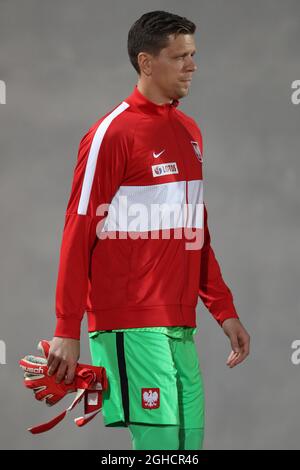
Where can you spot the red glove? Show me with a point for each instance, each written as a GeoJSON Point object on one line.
{"type": "Point", "coordinates": [89, 382]}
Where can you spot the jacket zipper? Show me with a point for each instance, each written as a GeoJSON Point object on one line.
{"type": "Point", "coordinates": [185, 221]}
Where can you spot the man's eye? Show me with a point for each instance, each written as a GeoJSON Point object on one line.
{"type": "Point", "coordinates": [184, 55]}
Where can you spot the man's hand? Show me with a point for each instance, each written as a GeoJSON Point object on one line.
{"type": "Point", "coordinates": [239, 339]}
{"type": "Point", "coordinates": [63, 355]}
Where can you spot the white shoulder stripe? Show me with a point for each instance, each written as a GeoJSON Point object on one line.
{"type": "Point", "coordinates": [92, 158]}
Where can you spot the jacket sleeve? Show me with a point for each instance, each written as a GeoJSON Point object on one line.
{"type": "Point", "coordinates": [213, 291]}
{"type": "Point", "coordinates": [97, 176]}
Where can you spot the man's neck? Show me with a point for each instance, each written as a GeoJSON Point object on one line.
{"type": "Point", "coordinates": [152, 94]}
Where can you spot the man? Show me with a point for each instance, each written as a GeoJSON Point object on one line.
{"type": "Point", "coordinates": [140, 283]}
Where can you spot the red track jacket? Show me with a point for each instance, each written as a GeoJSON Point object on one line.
{"type": "Point", "coordinates": [136, 247]}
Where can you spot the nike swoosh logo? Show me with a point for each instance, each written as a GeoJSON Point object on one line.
{"type": "Point", "coordinates": [156, 155]}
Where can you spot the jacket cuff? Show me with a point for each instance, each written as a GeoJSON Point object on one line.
{"type": "Point", "coordinates": [224, 316]}
{"type": "Point", "coordinates": [68, 327]}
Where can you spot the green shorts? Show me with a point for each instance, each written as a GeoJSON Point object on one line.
{"type": "Point", "coordinates": [152, 378]}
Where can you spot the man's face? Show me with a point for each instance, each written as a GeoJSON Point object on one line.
{"type": "Point", "coordinates": [174, 65]}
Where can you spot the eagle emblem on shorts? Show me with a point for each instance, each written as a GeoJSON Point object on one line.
{"type": "Point", "coordinates": [150, 398]}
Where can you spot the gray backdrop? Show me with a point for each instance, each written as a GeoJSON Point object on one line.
{"type": "Point", "coordinates": [65, 64]}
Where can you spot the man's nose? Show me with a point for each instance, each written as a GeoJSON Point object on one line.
{"type": "Point", "coordinates": [192, 66]}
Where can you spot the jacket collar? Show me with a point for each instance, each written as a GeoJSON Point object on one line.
{"type": "Point", "coordinates": [138, 100]}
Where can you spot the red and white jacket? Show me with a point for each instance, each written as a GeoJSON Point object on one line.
{"type": "Point", "coordinates": [126, 259]}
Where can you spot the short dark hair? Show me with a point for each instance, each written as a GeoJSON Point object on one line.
{"type": "Point", "coordinates": [150, 33]}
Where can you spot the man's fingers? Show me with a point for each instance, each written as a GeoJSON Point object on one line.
{"type": "Point", "coordinates": [233, 360]}
{"type": "Point", "coordinates": [61, 371]}
{"type": "Point", "coordinates": [240, 358]}
{"type": "Point", "coordinates": [235, 346]}
{"type": "Point", "coordinates": [54, 364]}
{"type": "Point", "coordinates": [231, 356]}
{"type": "Point", "coordinates": [234, 340]}
{"type": "Point", "coordinates": [240, 343]}
{"type": "Point", "coordinates": [50, 359]}
{"type": "Point", "coordinates": [70, 374]}
{"type": "Point", "coordinates": [244, 350]}
{"type": "Point", "coordinates": [247, 344]}
{"type": "Point", "coordinates": [53, 360]}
